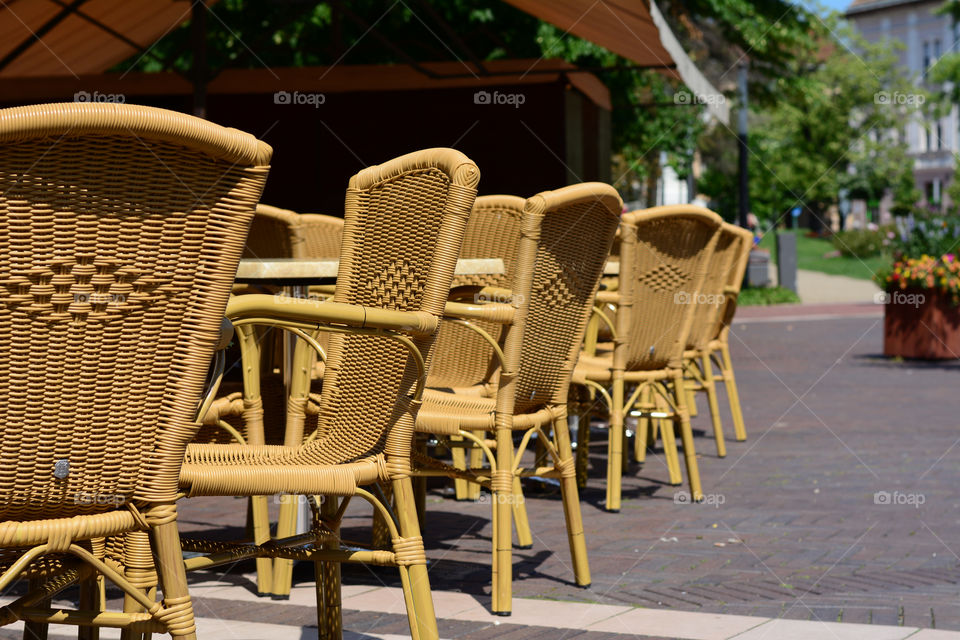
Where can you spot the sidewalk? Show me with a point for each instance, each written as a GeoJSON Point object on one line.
{"type": "Point", "coordinates": [235, 613]}
{"type": "Point", "coordinates": [836, 519]}
{"type": "Point", "coordinates": [814, 287]}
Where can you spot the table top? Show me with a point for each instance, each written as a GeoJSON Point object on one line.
{"type": "Point", "coordinates": [307, 270]}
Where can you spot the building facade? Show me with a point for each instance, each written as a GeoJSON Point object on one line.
{"type": "Point", "coordinates": [926, 37]}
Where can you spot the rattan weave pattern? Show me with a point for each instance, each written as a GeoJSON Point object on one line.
{"type": "Point", "coordinates": [463, 358]}
{"type": "Point", "coordinates": [564, 282]}
{"type": "Point", "coordinates": [121, 231]}
{"type": "Point", "coordinates": [711, 298]}
{"type": "Point", "coordinates": [665, 245]}
{"type": "Point", "coordinates": [387, 209]}
{"type": "Point", "coordinates": [110, 292]}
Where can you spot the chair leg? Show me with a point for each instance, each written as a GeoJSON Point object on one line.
{"type": "Point", "coordinates": [520, 519]}
{"type": "Point", "coordinates": [644, 402]}
{"type": "Point", "coordinates": [501, 489]}
{"type": "Point", "coordinates": [173, 577]}
{"type": "Point", "coordinates": [711, 388]}
{"type": "Point", "coordinates": [459, 462]}
{"type": "Point", "coordinates": [260, 521]}
{"type": "Point", "coordinates": [413, 575]}
{"type": "Point", "coordinates": [36, 630]}
{"type": "Point", "coordinates": [615, 445]}
{"type": "Point", "coordinates": [733, 395]}
{"type": "Point", "coordinates": [475, 461]}
{"type": "Point", "coordinates": [327, 574]}
{"type": "Point", "coordinates": [669, 445]}
{"type": "Point", "coordinates": [692, 400]}
{"type": "Point", "coordinates": [92, 598]}
{"type": "Point", "coordinates": [583, 440]}
{"type": "Point", "coordinates": [686, 435]}
{"type": "Point", "coordinates": [571, 502]}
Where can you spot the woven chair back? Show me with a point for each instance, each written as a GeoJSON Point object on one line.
{"type": "Point", "coordinates": [742, 242]}
{"type": "Point", "coordinates": [120, 231]}
{"type": "Point", "coordinates": [663, 261]}
{"type": "Point", "coordinates": [711, 299]}
{"type": "Point", "coordinates": [321, 235]}
{"type": "Point", "coordinates": [565, 238]}
{"type": "Point", "coordinates": [462, 357]}
{"type": "Point", "coordinates": [404, 226]}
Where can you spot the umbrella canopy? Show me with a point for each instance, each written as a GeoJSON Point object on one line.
{"type": "Point", "coordinates": [633, 29]}
{"type": "Point", "coordinates": [73, 38]}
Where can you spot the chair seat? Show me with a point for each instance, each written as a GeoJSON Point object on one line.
{"type": "Point", "coordinates": [238, 470]}
{"type": "Point", "coordinates": [447, 413]}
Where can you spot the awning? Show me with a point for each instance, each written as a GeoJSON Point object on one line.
{"type": "Point", "coordinates": [632, 29]}
{"type": "Point", "coordinates": [77, 37]}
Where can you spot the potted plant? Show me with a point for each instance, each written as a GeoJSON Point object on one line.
{"type": "Point", "coordinates": [922, 290]}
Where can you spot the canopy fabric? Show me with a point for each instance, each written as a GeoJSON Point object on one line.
{"type": "Point", "coordinates": [77, 37]}
{"type": "Point", "coordinates": [84, 37]}
{"type": "Point", "coordinates": [633, 29]}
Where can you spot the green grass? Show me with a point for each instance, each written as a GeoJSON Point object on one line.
{"type": "Point", "coordinates": [810, 252]}
{"type": "Point", "coordinates": [754, 297]}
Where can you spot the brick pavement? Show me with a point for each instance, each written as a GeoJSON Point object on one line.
{"type": "Point", "coordinates": [833, 430]}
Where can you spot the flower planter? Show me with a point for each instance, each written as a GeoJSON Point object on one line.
{"type": "Point", "coordinates": [921, 324]}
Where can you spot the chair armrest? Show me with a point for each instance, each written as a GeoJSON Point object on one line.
{"type": "Point", "coordinates": [731, 291]}
{"type": "Point", "coordinates": [496, 312]}
{"type": "Point", "coordinates": [608, 297]}
{"type": "Point", "coordinates": [333, 313]}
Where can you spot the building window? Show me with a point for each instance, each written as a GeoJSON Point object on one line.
{"type": "Point", "coordinates": [926, 57]}
{"type": "Point", "coordinates": [922, 135]}
{"type": "Point", "coordinates": [938, 142]}
{"type": "Point", "coordinates": [932, 190]}
{"type": "Point", "coordinates": [936, 51]}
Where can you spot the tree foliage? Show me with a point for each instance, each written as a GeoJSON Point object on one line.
{"type": "Point", "coordinates": [837, 126]}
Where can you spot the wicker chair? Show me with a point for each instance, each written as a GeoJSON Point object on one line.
{"type": "Point", "coordinates": [664, 256]}
{"type": "Point", "coordinates": [121, 231]}
{"type": "Point", "coordinates": [274, 233]}
{"type": "Point", "coordinates": [698, 371]}
{"type": "Point", "coordinates": [564, 239]}
{"type": "Point", "coordinates": [740, 241]}
{"type": "Point", "coordinates": [464, 359]}
{"type": "Point", "coordinates": [404, 226]}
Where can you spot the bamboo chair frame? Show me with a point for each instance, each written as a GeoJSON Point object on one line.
{"type": "Point", "coordinates": [404, 226]}
{"type": "Point", "coordinates": [717, 351]}
{"type": "Point", "coordinates": [466, 357]}
{"type": "Point", "coordinates": [115, 283]}
{"type": "Point", "coordinates": [234, 417]}
{"type": "Point", "coordinates": [664, 256]}
{"type": "Point", "coordinates": [564, 239]}
{"type": "Point", "coordinates": [698, 358]}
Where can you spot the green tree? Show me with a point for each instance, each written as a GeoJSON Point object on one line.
{"type": "Point", "coordinates": [836, 125]}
